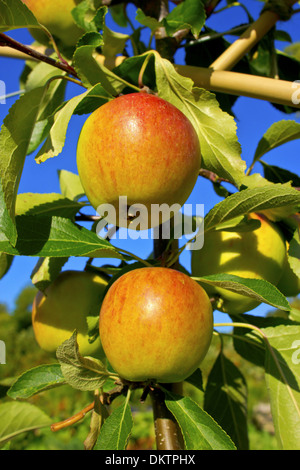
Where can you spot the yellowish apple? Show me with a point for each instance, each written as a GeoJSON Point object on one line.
{"type": "Point", "coordinates": [155, 324]}
{"type": "Point", "coordinates": [258, 254]}
{"type": "Point", "coordinates": [142, 148]}
{"type": "Point", "coordinates": [56, 16]}
{"type": "Point", "coordinates": [64, 307]}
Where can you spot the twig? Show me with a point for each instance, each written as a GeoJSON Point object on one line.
{"type": "Point", "coordinates": [212, 36]}
{"type": "Point", "coordinates": [210, 7]}
{"type": "Point", "coordinates": [87, 218]}
{"type": "Point", "coordinates": [73, 420]}
{"type": "Point", "coordinates": [213, 177]}
{"type": "Point", "coordinates": [6, 41]}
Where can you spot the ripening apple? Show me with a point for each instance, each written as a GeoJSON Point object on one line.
{"type": "Point", "coordinates": [56, 16]}
{"type": "Point", "coordinates": [155, 324]}
{"type": "Point", "coordinates": [140, 147]}
{"type": "Point", "coordinates": [64, 307]}
{"type": "Point", "coordinates": [258, 254]}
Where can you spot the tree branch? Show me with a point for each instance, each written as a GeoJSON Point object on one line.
{"type": "Point", "coordinates": [168, 435]}
{"type": "Point", "coordinates": [73, 420]}
{"type": "Point", "coordinates": [6, 41]}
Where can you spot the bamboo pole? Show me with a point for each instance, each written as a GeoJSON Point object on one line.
{"type": "Point", "coordinates": [233, 83]}
{"type": "Point", "coordinates": [240, 84]}
{"type": "Point", "coordinates": [256, 31]}
{"type": "Point", "coordinates": [262, 88]}
{"type": "Point", "coordinates": [14, 54]}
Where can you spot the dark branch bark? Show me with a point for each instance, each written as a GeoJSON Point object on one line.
{"type": "Point", "coordinates": [9, 42]}
{"type": "Point", "coordinates": [168, 435]}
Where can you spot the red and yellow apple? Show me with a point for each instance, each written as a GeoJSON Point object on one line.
{"type": "Point", "coordinates": [155, 324]}
{"type": "Point", "coordinates": [257, 254]}
{"type": "Point", "coordinates": [64, 307]}
{"type": "Point", "coordinates": [141, 147]}
{"type": "Point", "coordinates": [56, 16]}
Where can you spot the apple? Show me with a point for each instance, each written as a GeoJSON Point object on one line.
{"type": "Point", "coordinates": [56, 16]}
{"type": "Point", "coordinates": [155, 324]}
{"type": "Point", "coordinates": [258, 254]}
{"type": "Point", "coordinates": [141, 147]}
{"type": "Point", "coordinates": [64, 307]}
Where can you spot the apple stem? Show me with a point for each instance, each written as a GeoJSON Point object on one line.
{"type": "Point", "coordinates": [167, 432]}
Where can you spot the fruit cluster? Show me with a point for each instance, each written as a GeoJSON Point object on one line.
{"type": "Point", "coordinates": [155, 323]}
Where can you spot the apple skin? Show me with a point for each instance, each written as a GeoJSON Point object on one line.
{"type": "Point", "coordinates": [139, 146]}
{"type": "Point", "coordinates": [64, 307]}
{"type": "Point", "coordinates": [56, 16]}
{"type": "Point", "coordinates": [155, 324]}
{"type": "Point", "coordinates": [258, 254]}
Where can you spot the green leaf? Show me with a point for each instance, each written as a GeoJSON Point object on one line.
{"type": "Point", "coordinates": [283, 382]}
{"type": "Point", "coordinates": [189, 14]}
{"type": "Point", "coordinates": [88, 16]}
{"type": "Point", "coordinates": [249, 343]}
{"type": "Point", "coordinates": [196, 379]}
{"type": "Point", "coordinates": [221, 151]}
{"type": "Point", "coordinates": [46, 271]}
{"type": "Point", "coordinates": [57, 136]}
{"type": "Point", "coordinates": [274, 213]}
{"type": "Point", "coordinates": [96, 97]}
{"type": "Point", "coordinates": [294, 253]}
{"type": "Point", "coordinates": [118, 15]}
{"type": "Point", "coordinates": [70, 185]}
{"type": "Point", "coordinates": [276, 348]}
{"type": "Point", "coordinates": [239, 224]}
{"type": "Point", "coordinates": [93, 72]}
{"type": "Point", "coordinates": [258, 289]}
{"type": "Point", "coordinates": [147, 21]}
{"type": "Point", "coordinates": [199, 430]}
{"type": "Point", "coordinates": [276, 174]}
{"type": "Point", "coordinates": [256, 199]}
{"type": "Point", "coordinates": [116, 429]}
{"type": "Point", "coordinates": [15, 138]}
{"type": "Point", "coordinates": [36, 380]}
{"type": "Point", "coordinates": [113, 43]}
{"type": "Point", "coordinates": [82, 373]}
{"type": "Point", "coordinates": [56, 237]}
{"type": "Point", "coordinates": [225, 400]}
{"type": "Point", "coordinates": [15, 14]}
{"type": "Point", "coordinates": [129, 70]}
{"type": "Point", "coordinates": [278, 134]}
{"type": "Point", "coordinates": [46, 205]}
{"type": "Point", "coordinates": [5, 264]}
{"type": "Point", "coordinates": [40, 75]}
{"type": "Point", "coordinates": [8, 229]}
{"type": "Point", "coordinates": [18, 417]}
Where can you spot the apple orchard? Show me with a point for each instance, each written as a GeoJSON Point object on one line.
{"type": "Point", "coordinates": [132, 332]}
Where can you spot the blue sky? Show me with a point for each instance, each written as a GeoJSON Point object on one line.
{"type": "Point", "coordinates": [253, 118]}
